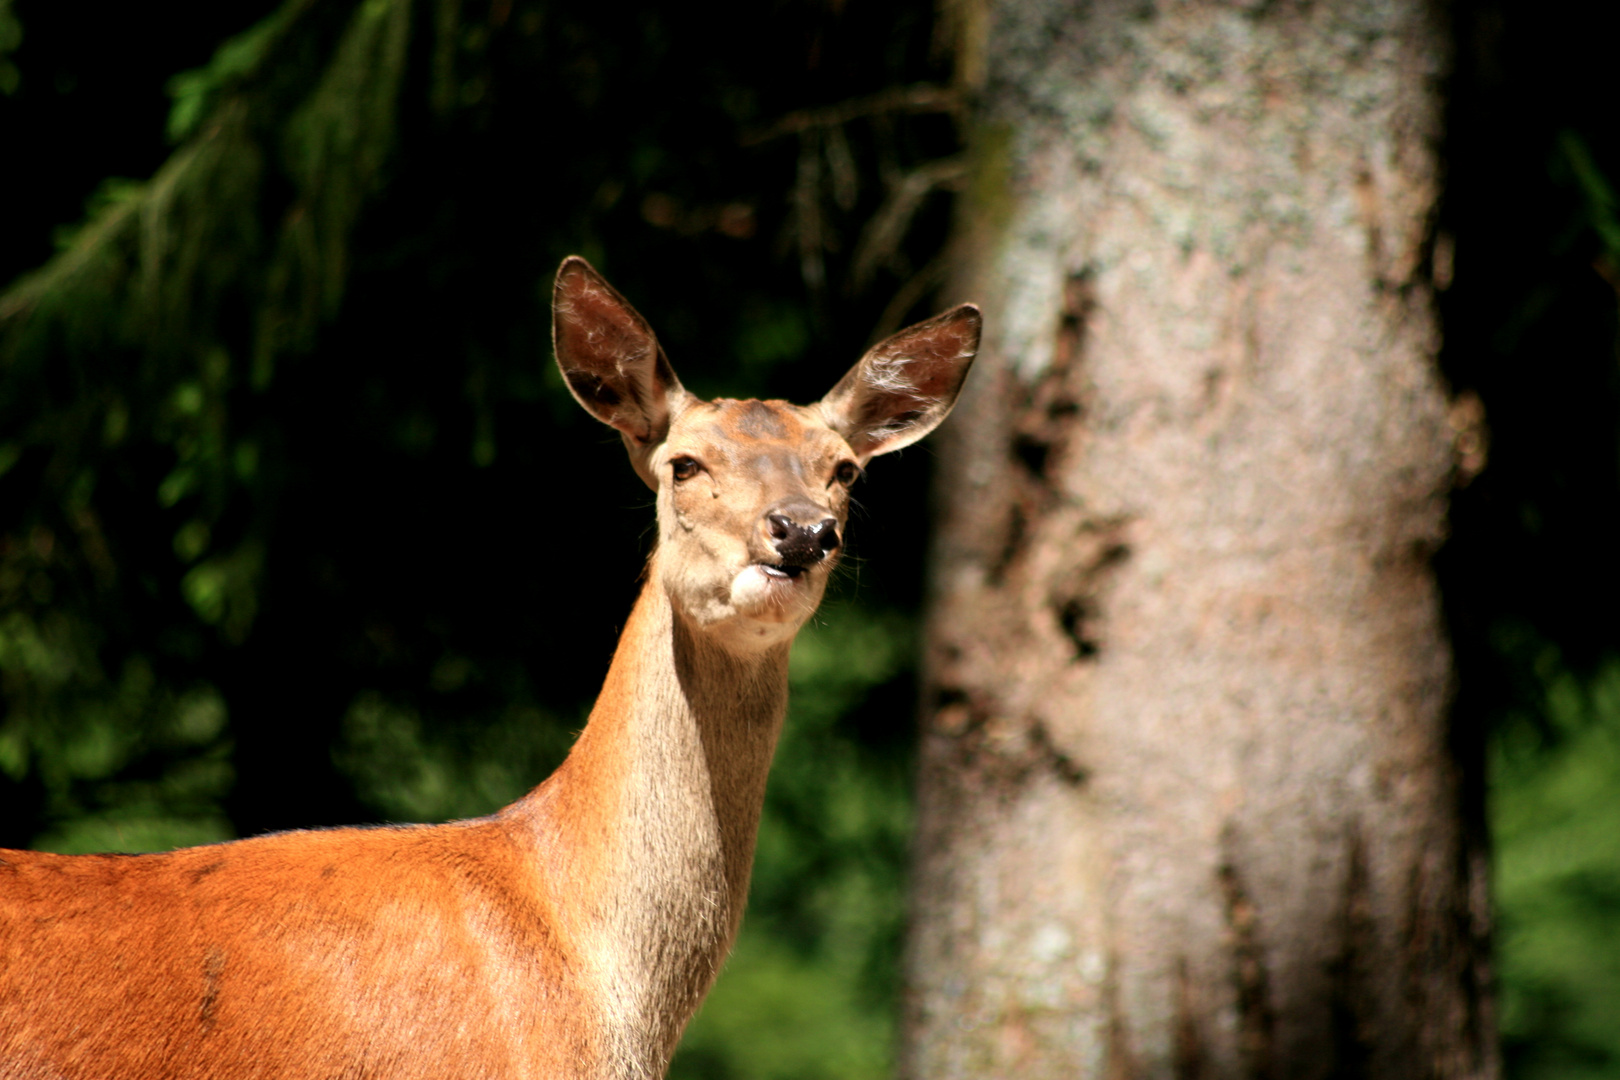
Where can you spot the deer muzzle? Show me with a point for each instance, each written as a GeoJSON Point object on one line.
{"type": "Point", "coordinates": [799, 543]}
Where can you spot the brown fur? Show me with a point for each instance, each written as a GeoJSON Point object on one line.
{"type": "Point", "coordinates": [572, 934]}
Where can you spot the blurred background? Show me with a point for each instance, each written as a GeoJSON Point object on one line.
{"type": "Point", "coordinates": [298, 525]}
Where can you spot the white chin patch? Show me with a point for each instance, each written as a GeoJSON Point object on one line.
{"type": "Point", "coordinates": [765, 592]}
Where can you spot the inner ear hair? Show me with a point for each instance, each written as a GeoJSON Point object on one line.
{"type": "Point", "coordinates": [609, 356]}
{"type": "Point", "coordinates": [906, 384]}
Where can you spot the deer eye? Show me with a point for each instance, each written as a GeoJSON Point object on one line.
{"type": "Point", "coordinates": [684, 468]}
{"type": "Point", "coordinates": [846, 473]}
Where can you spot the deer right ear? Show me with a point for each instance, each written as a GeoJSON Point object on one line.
{"type": "Point", "coordinates": [904, 385]}
{"type": "Point", "coordinates": [611, 361]}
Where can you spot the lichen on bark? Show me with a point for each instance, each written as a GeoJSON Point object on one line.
{"type": "Point", "coordinates": [1186, 804]}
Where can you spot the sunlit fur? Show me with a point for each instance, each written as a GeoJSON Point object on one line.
{"type": "Point", "coordinates": [573, 933]}
{"type": "Point", "coordinates": [754, 456]}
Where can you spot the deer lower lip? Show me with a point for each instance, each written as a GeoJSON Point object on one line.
{"type": "Point", "coordinates": [781, 572]}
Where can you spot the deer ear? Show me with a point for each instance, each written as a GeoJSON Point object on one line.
{"type": "Point", "coordinates": [610, 359]}
{"type": "Point", "coordinates": [904, 385]}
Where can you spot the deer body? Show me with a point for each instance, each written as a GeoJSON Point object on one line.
{"type": "Point", "coordinates": [571, 934]}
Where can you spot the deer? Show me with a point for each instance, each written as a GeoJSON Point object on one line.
{"type": "Point", "coordinates": [573, 933]}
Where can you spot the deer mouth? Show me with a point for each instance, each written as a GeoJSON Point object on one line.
{"type": "Point", "coordinates": [775, 592]}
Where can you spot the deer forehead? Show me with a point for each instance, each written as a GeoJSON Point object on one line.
{"type": "Point", "coordinates": [773, 436]}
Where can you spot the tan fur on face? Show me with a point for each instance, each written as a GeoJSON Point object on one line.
{"type": "Point", "coordinates": [753, 455]}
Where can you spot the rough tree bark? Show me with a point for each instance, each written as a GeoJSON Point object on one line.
{"type": "Point", "coordinates": [1187, 804]}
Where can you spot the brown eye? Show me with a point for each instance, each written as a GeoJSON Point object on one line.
{"type": "Point", "coordinates": [846, 473]}
{"type": "Point", "coordinates": [684, 468]}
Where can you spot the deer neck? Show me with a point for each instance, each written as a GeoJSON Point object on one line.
{"type": "Point", "coordinates": [653, 818]}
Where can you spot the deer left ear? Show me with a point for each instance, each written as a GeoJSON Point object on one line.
{"type": "Point", "coordinates": [611, 361]}
{"type": "Point", "coordinates": [905, 385]}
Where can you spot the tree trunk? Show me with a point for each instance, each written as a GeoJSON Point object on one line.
{"type": "Point", "coordinates": [1188, 805]}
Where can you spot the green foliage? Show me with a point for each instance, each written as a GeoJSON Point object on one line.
{"type": "Point", "coordinates": [195, 93]}
{"type": "Point", "coordinates": [767, 337]}
{"type": "Point", "coordinates": [413, 771]}
{"type": "Point", "coordinates": [125, 763]}
{"type": "Point", "coordinates": [778, 1015]}
{"type": "Point", "coordinates": [1555, 816]}
{"type": "Point", "coordinates": [1529, 575]}
{"type": "Point", "coordinates": [11, 33]}
{"type": "Point", "coordinates": [118, 351]}
{"type": "Point", "coordinates": [1595, 189]}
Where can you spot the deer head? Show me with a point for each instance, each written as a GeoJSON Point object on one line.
{"type": "Point", "coordinates": [753, 496]}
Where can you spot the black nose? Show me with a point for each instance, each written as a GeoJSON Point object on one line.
{"type": "Point", "coordinates": [802, 545]}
